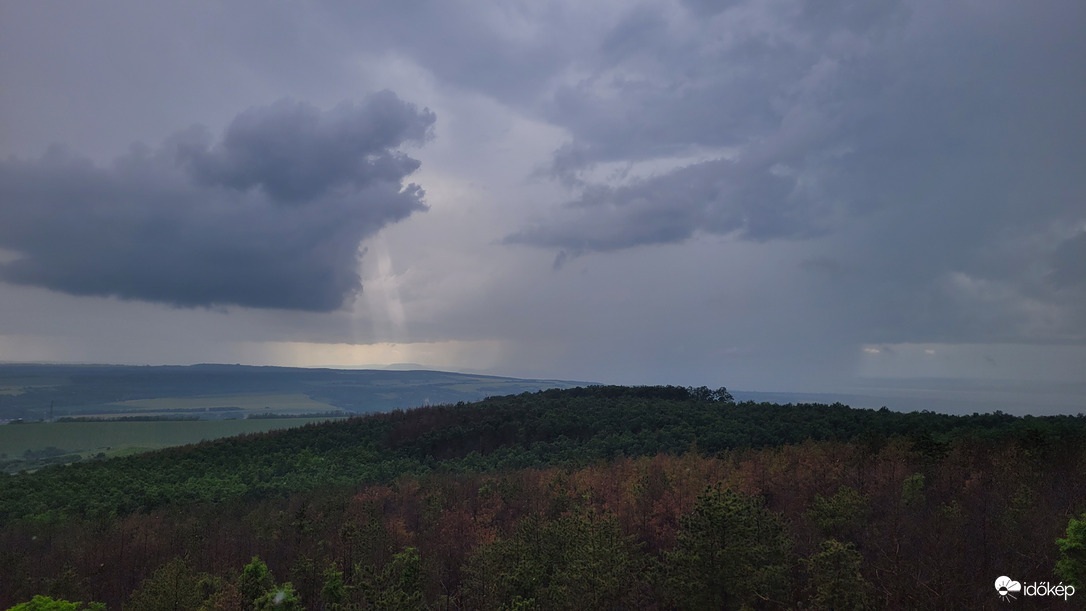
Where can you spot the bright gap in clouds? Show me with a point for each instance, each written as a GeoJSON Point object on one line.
{"type": "Point", "coordinates": [472, 356]}
{"type": "Point", "coordinates": [446, 355]}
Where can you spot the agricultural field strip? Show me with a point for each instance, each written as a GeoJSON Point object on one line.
{"type": "Point", "coordinates": [97, 436]}
{"type": "Point", "coordinates": [258, 402]}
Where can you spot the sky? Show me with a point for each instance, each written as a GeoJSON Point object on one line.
{"type": "Point", "coordinates": [766, 194]}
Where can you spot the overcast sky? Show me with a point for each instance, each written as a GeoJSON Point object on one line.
{"type": "Point", "coordinates": [776, 195]}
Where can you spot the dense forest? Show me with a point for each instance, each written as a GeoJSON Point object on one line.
{"type": "Point", "coordinates": [598, 497]}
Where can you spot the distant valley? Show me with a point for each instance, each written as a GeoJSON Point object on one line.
{"type": "Point", "coordinates": [59, 414]}
{"type": "Point", "coordinates": [214, 392]}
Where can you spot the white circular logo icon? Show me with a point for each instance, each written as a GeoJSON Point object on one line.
{"type": "Point", "coordinates": [1005, 586]}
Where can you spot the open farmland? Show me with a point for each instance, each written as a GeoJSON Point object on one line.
{"type": "Point", "coordinates": [218, 406]}
{"type": "Point", "coordinates": [158, 407]}
{"type": "Point", "coordinates": [46, 392]}
{"type": "Point", "coordinates": [35, 444]}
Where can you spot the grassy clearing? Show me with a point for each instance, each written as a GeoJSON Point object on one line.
{"type": "Point", "coordinates": [127, 437]}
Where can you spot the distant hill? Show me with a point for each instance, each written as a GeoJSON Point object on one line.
{"type": "Point", "coordinates": [36, 392]}
{"type": "Point", "coordinates": [960, 396]}
{"type": "Point", "coordinates": [568, 427]}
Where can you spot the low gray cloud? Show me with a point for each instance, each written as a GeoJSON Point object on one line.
{"type": "Point", "coordinates": [1069, 263]}
{"type": "Point", "coordinates": [718, 197]}
{"type": "Point", "coordinates": [931, 145]}
{"type": "Point", "coordinates": [965, 118]}
{"type": "Point", "coordinates": [295, 152]}
{"type": "Point", "coordinates": [270, 217]}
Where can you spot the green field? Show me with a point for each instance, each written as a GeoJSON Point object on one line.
{"type": "Point", "coordinates": [14, 386]}
{"type": "Point", "coordinates": [90, 438]}
{"type": "Point", "coordinates": [260, 403]}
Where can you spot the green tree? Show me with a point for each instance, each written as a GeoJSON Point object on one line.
{"type": "Point", "coordinates": [398, 585]}
{"type": "Point", "coordinates": [173, 587]}
{"type": "Point", "coordinates": [731, 553]}
{"type": "Point", "coordinates": [836, 578]}
{"type": "Point", "coordinates": [334, 592]}
{"type": "Point", "coordinates": [226, 599]}
{"type": "Point", "coordinates": [912, 490]}
{"type": "Point", "coordinates": [841, 515]}
{"type": "Point", "coordinates": [45, 603]}
{"type": "Point", "coordinates": [576, 561]}
{"type": "Point", "coordinates": [255, 581]}
{"type": "Point", "coordinates": [1071, 566]}
{"type": "Point", "coordinates": [279, 598]}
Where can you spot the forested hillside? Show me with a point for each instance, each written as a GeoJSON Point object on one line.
{"type": "Point", "coordinates": [613, 497]}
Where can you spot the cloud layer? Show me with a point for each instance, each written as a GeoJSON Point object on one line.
{"type": "Point", "coordinates": [270, 217]}
{"type": "Point", "coordinates": [933, 148]}
{"type": "Point", "coordinates": [955, 112]}
{"type": "Point", "coordinates": [746, 191]}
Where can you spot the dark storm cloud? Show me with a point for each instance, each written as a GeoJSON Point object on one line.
{"type": "Point", "coordinates": [295, 152]}
{"type": "Point", "coordinates": [726, 74]}
{"type": "Point", "coordinates": [719, 197]}
{"type": "Point", "coordinates": [845, 106]}
{"type": "Point", "coordinates": [926, 145]}
{"type": "Point", "coordinates": [271, 217]}
{"type": "Point", "coordinates": [935, 143]}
